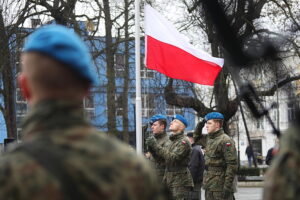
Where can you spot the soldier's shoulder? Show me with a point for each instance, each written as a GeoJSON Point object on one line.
{"type": "Point", "coordinates": [182, 140]}
{"type": "Point", "coordinates": [225, 138]}
{"type": "Point", "coordinates": [184, 143]}
{"type": "Point", "coordinates": [291, 140]}
{"type": "Point", "coordinates": [164, 140]}
{"type": "Point", "coordinates": [13, 164]}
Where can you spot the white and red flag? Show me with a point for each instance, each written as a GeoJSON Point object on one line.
{"type": "Point", "coordinates": [168, 52]}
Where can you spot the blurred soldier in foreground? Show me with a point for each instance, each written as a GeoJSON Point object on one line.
{"type": "Point", "coordinates": [282, 180]}
{"type": "Point", "coordinates": [177, 155]}
{"type": "Point", "coordinates": [220, 160]}
{"type": "Point", "coordinates": [62, 156]}
{"type": "Point", "coordinates": [158, 127]}
{"type": "Point", "coordinates": [196, 167]}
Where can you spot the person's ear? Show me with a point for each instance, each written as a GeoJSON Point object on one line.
{"type": "Point", "coordinates": [23, 83]}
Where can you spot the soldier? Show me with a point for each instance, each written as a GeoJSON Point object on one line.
{"type": "Point", "coordinates": [177, 156]}
{"type": "Point", "coordinates": [282, 178]}
{"type": "Point", "coordinates": [220, 160]}
{"type": "Point", "coordinates": [196, 167]}
{"type": "Point", "coordinates": [158, 127]}
{"type": "Point", "coordinates": [63, 156]}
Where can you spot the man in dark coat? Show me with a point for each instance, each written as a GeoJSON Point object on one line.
{"type": "Point", "coordinates": [196, 167]}
{"type": "Point", "coordinates": [250, 156]}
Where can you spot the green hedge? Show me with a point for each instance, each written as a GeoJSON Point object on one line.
{"type": "Point", "coordinates": [245, 171]}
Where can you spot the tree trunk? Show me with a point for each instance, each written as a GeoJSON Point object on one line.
{"type": "Point", "coordinates": [8, 81]}
{"type": "Point", "coordinates": [110, 71]}
{"type": "Point", "coordinates": [126, 77]}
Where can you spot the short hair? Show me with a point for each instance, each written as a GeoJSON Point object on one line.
{"type": "Point", "coordinates": [220, 121]}
{"type": "Point", "coordinates": [190, 134]}
{"type": "Point", "coordinates": [48, 74]}
{"type": "Point", "coordinates": [163, 122]}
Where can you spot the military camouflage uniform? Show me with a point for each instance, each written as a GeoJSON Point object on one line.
{"type": "Point", "coordinates": [159, 161]}
{"type": "Point", "coordinates": [282, 180]}
{"type": "Point", "coordinates": [99, 167]}
{"type": "Point", "coordinates": [177, 155]}
{"type": "Point", "coordinates": [221, 166]}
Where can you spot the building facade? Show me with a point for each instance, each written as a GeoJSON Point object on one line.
{"type": "Point", "coordinates": [95, 104]}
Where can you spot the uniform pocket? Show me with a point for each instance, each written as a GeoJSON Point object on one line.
{"type": "Point", "coordinates": [213, 180]}
{"type": "Point", "coordinates": [175, 179]}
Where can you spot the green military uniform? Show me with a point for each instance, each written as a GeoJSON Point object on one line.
{"type": "Point", "coordinates": [221, 166]}
{"type": "Point", "coordinates": [282, 178]}
{"type": "Point", "coordinates": [177, 155]}
{"type": "Point", "coordinates": [63, 157]}
{"type": "Point", "coordinates": [159, 161]}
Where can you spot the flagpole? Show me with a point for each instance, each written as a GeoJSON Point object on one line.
{"type": "Point", "coordinates": [138, 100]}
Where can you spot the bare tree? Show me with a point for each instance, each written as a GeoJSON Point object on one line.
{"type": "Point", "coordinates": [10, 33]}
{"type": "Point", "coordinates": [243, 16]}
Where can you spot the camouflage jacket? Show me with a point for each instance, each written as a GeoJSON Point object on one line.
{"type": "Point", "coordinates": [220, 162]}
{"type": "Point", "coordinates": [282, 178]}
{"type": "Point", "coordinates": [98, 167]}
{"type": "Point", "coordinates": [159, 161]}
{"type": "Point", "coordinates": [177, 156]}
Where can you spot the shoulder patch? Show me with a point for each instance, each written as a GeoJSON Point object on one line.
{"type": "Point", "coordinates": [228, 144]}
{"type": "Point", "coordinates": [183, 142]}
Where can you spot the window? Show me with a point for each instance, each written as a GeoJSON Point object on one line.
{"type": "Point", "coordinates": [35, 23]}
{"type": "Point", "coordinates": [260, 124]}
{"type": "Point", "coordinates": [119, 64]}
{"type": "Point", "coordinates": [19, 96]}
{"type": "Point", "coordinates": [148, 105]}
{"type": "Point", "coordinates": [119, 104]}
{"type": "Point", "coordinates": [21, 108]}
{"type": "Point", "coordinates": [19, 119]}
{"type": "Point", "coordinates": [145, 72]}
{"type": "Point", "coordinates": [257, 150]}
{"type": "Point", "coordinates": [89, 107]}
{"type": "Point", "coordinates": [291, 112]}
{"type": "Point", "coordinates": [257, 146]}
{"type": "Point", "coordinates": [172, 110]}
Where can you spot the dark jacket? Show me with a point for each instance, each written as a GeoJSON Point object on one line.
{"type": "Point", "coordinates": [269, 156]}
{"type": "Point", "coordinates": [249, 152]}
{"type": "Point", "coordinates": [196, 165]}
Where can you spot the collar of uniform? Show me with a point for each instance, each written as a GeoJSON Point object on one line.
{"type": "Point", "coordinates": [176, 136]}
{"type": "Point", "coordinates": [160, 135]}
{"type": "Point", "coordinates": [215, 134]}
{"type": "Point", "coordinates": [52, 114]}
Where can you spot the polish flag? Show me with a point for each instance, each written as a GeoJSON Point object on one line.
{"type": "Point", "coordinates": [168, 52]}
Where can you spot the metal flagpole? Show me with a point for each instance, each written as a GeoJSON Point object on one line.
{"type": "Point", "coordinates": [138, 100]}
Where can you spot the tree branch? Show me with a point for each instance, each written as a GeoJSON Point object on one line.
{"type": "Point", "coordinates": [183, 101]}
{"type": "Point", "coordinates": [281, 83]}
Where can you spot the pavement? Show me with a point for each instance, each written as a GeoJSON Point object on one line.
{"type": "Point", "coordinates": [250, 184]}
{"type": "Point", "coordinates": [249, 193]}
{"type": "Point", "coordinates": [245, 193]}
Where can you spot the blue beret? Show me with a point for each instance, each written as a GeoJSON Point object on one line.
{"type": "Point", "coordinates": [181, 118]}
{"type": "Point", "coordinates": [213, 115]}
{"type": "Point", "coordinates": [154, 118]}
{"type": "Point", "coordinates": [64, 45]}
